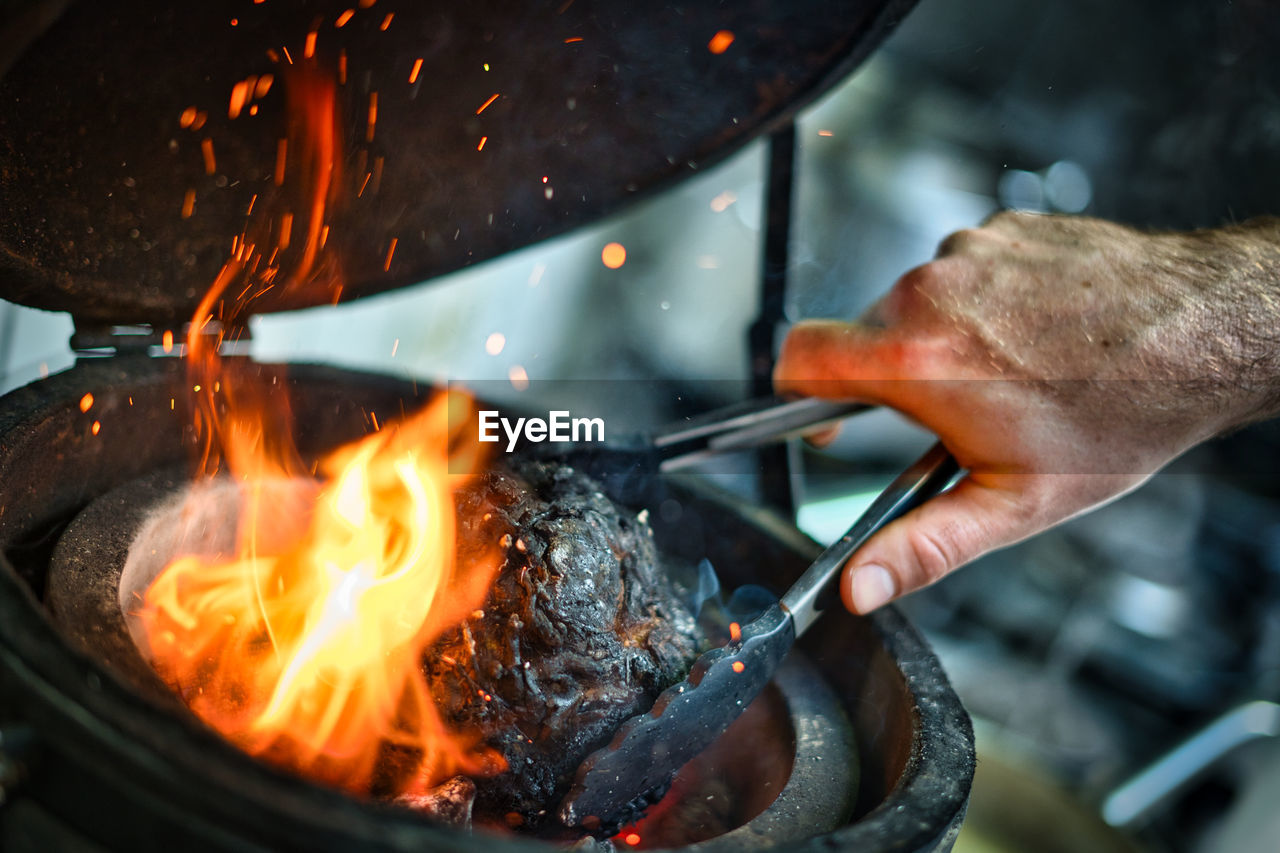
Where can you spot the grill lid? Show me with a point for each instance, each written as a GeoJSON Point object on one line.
{"type": "Point", "coordinates": [101, 153]}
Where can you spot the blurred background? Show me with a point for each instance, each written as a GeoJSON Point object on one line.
{"type": "Point", "coordinates": [1147, 631]}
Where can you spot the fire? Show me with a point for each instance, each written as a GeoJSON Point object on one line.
{"type": "Point", "coordinates": [305, 646]}
{"type": "Point", "coordinates": [309, 652]}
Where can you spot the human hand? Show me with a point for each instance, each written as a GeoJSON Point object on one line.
{"type": "Point", "coordinates": [1061, 360]}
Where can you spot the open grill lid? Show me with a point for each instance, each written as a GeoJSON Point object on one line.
{"type": "Point", "coordinates": [598, 101]}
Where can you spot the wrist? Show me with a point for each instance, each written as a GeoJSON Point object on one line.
{"type": "Point", "coordinates": [1236, 273]}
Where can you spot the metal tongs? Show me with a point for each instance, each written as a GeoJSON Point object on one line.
{"type": "Point", "coordinates": [624, 467]}
{"type": "Point", "coordinates": [617, 781]}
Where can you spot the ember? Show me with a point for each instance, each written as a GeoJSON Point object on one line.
{"type": "Point", "coordinates": [613, 255]}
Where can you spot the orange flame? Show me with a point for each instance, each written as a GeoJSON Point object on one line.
{"type": "Point", "coordinates": [312, 184]}
{"type": "Point", "coordinates": [311, 656]}
{"type": "Point", "coordinates": [305, 647]}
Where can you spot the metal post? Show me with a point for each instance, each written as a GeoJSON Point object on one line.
{"type": "Point", "coordinates": [775, 463]}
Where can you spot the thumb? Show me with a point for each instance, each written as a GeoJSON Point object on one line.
{"type": "Point", "coordinates": [933, 540]}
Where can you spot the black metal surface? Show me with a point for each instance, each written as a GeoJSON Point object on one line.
{"type": "Point", "coordinates": [775, 463]}
{"type": "Point", "coordinates": [95, 163]}
{"type": "Point", "coordinates": [128, 774]}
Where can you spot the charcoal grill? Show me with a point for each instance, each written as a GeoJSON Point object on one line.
{"type": "Point", "coordinates": [89, 225]}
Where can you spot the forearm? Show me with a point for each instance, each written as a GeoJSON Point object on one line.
{"type": "Point", "coordinates": [1235, 271]}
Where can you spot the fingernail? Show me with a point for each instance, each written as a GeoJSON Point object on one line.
{"type": "Point", "coordinates": [872, 586]}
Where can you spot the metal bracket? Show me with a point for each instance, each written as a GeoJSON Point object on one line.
{"type": "Point", "coordinates": [107, 341]}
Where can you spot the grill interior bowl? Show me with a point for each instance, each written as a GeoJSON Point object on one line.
{"type": "Point", "coordinates": [798, 778]}
{"type": "Point", "coordinates": [111, 764]}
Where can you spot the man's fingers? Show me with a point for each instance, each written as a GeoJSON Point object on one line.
{"type": "Point", "coordinates": [934, 540]}
{"type": "Point", "coordinates": [823, 436]}
{"type": "Point", "coordinates": [819, 356]}
{"type": "Point", "coordinates": [826, 358]}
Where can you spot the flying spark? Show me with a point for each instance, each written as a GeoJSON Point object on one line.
{"type": "Point", "coordinates": [613, 255]}
{"type": "Point", "coordinates": [720, 42]}
{"type": "Point", "coordinates": [206, 150]}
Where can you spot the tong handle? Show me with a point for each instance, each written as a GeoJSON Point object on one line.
{"type": "Point", "coordinates": [928, 476]}
{"type": "Point", "coordinates": [758, 421]}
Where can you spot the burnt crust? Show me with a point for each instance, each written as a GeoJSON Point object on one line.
{"type": "Point", "coordinates": [582, 629]}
